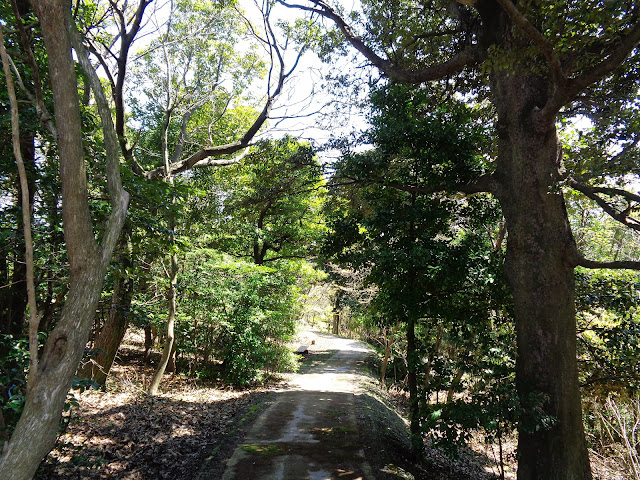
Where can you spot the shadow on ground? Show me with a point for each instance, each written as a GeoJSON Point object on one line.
{"type": "Point", "coordinates": [152, 438]}
{"type": "Point", "coordinates": [156, 438]}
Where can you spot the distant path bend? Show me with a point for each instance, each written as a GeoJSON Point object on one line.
{"type": "Point", "coordinates": [309, 432]}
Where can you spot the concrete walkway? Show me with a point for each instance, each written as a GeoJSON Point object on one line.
{"type": "Point", "coordinates": [309, 432]}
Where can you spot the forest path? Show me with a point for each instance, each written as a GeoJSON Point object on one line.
{"type": "Point", "coordinates": [309, 431]}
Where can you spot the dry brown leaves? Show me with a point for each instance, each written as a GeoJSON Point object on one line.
{"type": "Point", "coordinates": [124, 434]}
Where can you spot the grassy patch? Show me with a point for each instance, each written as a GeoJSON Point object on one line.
{"type": "Point", "coordinates": [270, 449]}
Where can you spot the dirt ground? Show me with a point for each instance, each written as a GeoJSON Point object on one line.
{"type": "Point", "coordinates": [191, 430]}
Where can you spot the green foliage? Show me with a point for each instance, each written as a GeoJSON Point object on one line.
{"type": "Point", "coordinates": [430, 257]}
{"type": "Point", "coordinates": [246, 312]}
{"type": "Point", "coordinates": [270, 204]}
{"type": "Point", "coordinates": [13, 367]}
{"type": "Point", "coordinates": [193, 80]}
{"type": "Point", "coordinates": [608, 331]}
{"type": "Point", "coordinates": [234, 317]}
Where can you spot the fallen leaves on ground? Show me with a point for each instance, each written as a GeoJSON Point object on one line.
{"type": "Point", "coordinates": [124, 434]}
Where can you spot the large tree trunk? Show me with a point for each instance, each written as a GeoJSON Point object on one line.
{"type": "Point", "coordinates": [36, 431]}
{"type": "Point", "coordinates": [539, 269]}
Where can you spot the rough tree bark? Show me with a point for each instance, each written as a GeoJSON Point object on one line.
{"type": "Point", "coordinates": [36, 431]}
{"type": "Point", "coordinates": [539, 268]}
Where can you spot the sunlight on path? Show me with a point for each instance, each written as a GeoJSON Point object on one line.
{"type": "Point", "coordinates": [309, 431]}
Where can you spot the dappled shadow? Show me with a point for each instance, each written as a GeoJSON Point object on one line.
{"type": "Point", "coordinates": [303, 435]}
{"type": "Point", "coordinates": [155, 438]}
{"type": "Point", "coordinates": [152, 438]}
{"type": "Point", "coordinates": [388, 448]}
{"type": "Point", "coordinates": [331, 423]}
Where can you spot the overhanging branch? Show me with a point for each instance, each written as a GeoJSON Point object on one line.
{"type": "Point", "coordinates": [617, 265]}
{"type": "Point", "coordinates": [632, 199]}
{"type": "Point", "coordinates": [203, 157]}
{"type": "Point", "coordinates": [471, 55]}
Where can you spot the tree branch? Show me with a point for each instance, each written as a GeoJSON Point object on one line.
{"type": "Point", "coordinates": [197, 159]}
{"type": "Point", "coordinates": [622, 217]}
{"type": "Point", "coordinates": [483, 184]}
{"type": "Point", "coordinates": [617, 265]}
{"type": "Point", "coordinates": [540, 40]}
{"type": "Point", "coordinates": [472, 55]}
{"type": "Point", "coordinates": [119, 198]}
{"type": "Point", "coordinates": [617, 55]}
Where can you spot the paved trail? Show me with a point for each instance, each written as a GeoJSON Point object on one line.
{"type": "Point", "coordinates": [309, 432]}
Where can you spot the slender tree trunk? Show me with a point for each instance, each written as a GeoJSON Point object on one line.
{"type": "Point", "coordinates": [412, 382]}
{"type": "Point", "coordinates": [168, 349]}
{"type": "Point", "coordinates": [148, 343]}
{"type": "Point", "coordinates": [335, 330]}
{"type": "Point", "coordinates": [385, 362]}
{"type": "Point", "coordinates": [17, 298]}
{"type": "Point", "coordinates": [539, 266]}
{"type": "Point", "coordinates": [171, 364]}
{"type": "Point", "coordinates": [169, 336]}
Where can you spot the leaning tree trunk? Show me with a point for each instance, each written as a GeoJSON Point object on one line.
{"type": "Point", "coordinates": [110, 337]}
{"type": "Point", "coordinates": [539, 269]}
{"type": "Point", "coordinates": [169, 332]}
{"type": "Point", "coordinates": [36, 431]}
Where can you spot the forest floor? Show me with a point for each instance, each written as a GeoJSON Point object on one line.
{"type": "Point", "coordinates": [192, 428]}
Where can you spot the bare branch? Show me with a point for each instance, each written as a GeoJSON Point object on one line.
{"type": "Point", "coordinates": [470, 56]}
{"type": "Point", "coordinates": [127, 38]}
{"type": "Point", "coordinates": [215, 151]}
{"type": "Point", "coordinates": [617, 55]}
{"type": "Point", "coordinates": [210, 162]}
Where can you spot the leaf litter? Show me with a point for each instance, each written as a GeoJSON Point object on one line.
{"type": "Point", "coordinates": [122, 433]}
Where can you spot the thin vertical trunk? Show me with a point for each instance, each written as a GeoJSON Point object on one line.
{"type": "Point", "coordinates": [335, 330]}
{"type": "Point", "coordinates": [385, 362]}
{"type": "Point", "coordinates": [412, 382]}
{"type": "Point", "coordinates": [148, 343]}
{"type": "Point", "coordinates": [168, 348]}
{"type": "Point", "coordinates": [17, 298]}
{"type": "Point", "coordinates": [169, 333]}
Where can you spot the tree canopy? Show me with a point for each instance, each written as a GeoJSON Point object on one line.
{"type": "Point", "coordinates": [480, 206]}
